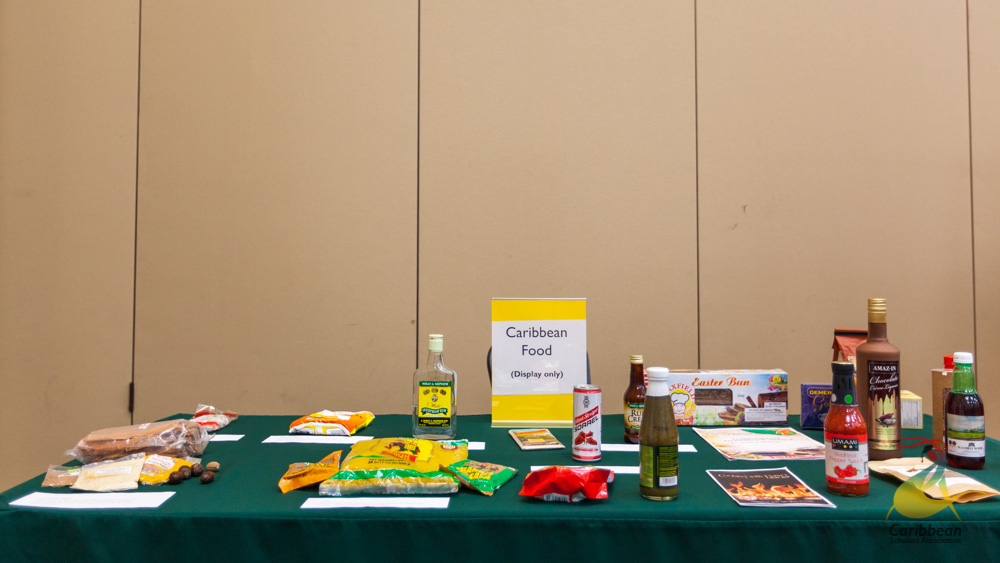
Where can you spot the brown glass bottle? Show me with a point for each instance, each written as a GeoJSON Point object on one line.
{"type": "Point", "coordinates": [658, 440]}
{"type": "Point", "coordinates": [635, 399]}
{"type": "Point", "coordinates": [878, 386]}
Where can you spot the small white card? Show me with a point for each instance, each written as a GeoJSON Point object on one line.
{"type": "Point", "coordinates": [687, 448]}
{"type": "Point", "coordinates": [618, 469]}
{"type": "Point", "coordinates": [92, 500]}
{"type": "Point", "coordinates": [376, 502]}
{"type": "Point", "coordinates": [310, 439]}
{"type": "Point", "coordinates": [226, 437]}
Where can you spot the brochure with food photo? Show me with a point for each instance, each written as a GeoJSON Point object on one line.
{"type": "Point", "coordinates": [535, 439]}
{"type": "Point", "coordinates": [762, 444]}
{"type": "Point", "coordinates": [767, 487]}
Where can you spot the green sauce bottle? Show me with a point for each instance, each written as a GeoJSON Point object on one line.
{"type": "Point", "coordinates": [658, 441]}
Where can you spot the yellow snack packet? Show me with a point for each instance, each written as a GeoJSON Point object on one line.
{"type": "Point", "coordinates": [157, 468]}
{"type": "Point", "coordinates": [405, 453]}
{"type": "Point", "coordinates": [304, 474]}
{"type": "Point", "coordinates": [397, 466]}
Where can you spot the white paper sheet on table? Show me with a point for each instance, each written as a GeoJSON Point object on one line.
{"type": "Point", "coordinates": [376, 502]}
{"type": "Point", "coordinates": [92, 500]}
{"type": "Point", "coordinates": [226, 437]}
{"type": "Point", "coordinates": [684, 448]}
{"type": "Point", "coordinates": [337, 440]}
{"type": "Point", "coordinates": [617, 469]}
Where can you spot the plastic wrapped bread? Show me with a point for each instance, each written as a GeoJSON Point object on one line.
{"type": "Point", "coordinates": [178, 438]}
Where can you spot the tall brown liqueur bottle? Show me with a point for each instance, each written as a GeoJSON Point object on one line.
{"type": "Point", "coordinates": [878, 386]}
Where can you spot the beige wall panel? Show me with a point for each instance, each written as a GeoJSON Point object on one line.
{"type": "Point", "coordinates": [833, 167]}
{"type": "Point", "coordinates": [68, 79]}
{"type": "Point", "coordinates": [557, 160]}
{"type": "Point", "coordinates": [984, 59]}
{"type": "Point", "coordinates": [276, 268]}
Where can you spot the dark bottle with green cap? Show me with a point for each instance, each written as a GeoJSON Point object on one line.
{"type": "Point", "coordinates": [845, 436]}
{"type": "Point", "coordinates": [965, 420]}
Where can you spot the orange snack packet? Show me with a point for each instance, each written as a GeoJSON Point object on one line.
{"type": "Point", "coordinates": [304, 474]}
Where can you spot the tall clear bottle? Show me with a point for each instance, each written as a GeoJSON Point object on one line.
{"type": "Point", "coordinates": [965, 420]}
{"type": "Point", "coordinates": [658, 467]}
{"type": "Point", "coordinates": [878, 386]}
{"type": "Point", "coordinates": [435, 390]}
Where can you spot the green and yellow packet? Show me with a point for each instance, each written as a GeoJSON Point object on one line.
{"type": "Point", "coordinates": [480, 476]}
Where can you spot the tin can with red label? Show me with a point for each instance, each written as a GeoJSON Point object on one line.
{"type": "Point", "coordinates": [586, 423]}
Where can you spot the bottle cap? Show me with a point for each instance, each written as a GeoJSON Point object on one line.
{"type": "Point", "coordinates": [843, 368]}
{"type": "Point", "coordinates": [659, 375]}
{"type": "Point", "coordinates": [435, 343]}
{"type": "Point", "coordinates": [635, 359]}
{"type": "Point", "coordinates": [949, 362]}
{"type": "Point", "coordinates": [964, 358]}
{"type": "Point", "coordinates": [843, 384]}
{"type": "Point", "coordinates": [876, 310]}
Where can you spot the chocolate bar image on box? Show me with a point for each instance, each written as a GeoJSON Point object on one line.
{"type": "Point", "coordinates": [722, 397]}
{"type": "Point", "coordinates": [778, 397]}
{"type": "Point", "coordinates": [734, 413]}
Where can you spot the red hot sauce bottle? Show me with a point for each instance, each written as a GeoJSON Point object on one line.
{"type": "Point", "coordinates": [845, 435]}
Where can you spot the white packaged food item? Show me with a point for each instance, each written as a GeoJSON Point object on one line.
{"type": "Point", "coordinates": [120, 474]}
{"type": "Point", "coordinates": [212, 419]}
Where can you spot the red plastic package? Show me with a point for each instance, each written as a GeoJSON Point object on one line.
{"type": "Point", "coordinates": [567, 483]}
{"type": "Point", "coordinates": [211, 418]}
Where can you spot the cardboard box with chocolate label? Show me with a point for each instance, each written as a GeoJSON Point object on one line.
{"type": "Point", "coordinates": [732, 397]}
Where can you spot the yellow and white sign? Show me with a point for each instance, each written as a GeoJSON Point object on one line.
{"type": "Point", "coordinates": [539, 355]}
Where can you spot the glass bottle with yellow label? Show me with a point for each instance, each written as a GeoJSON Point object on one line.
{"type": "Point", "coordinates": [434, 395]}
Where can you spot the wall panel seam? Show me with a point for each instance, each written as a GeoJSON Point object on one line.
{"type": "Point", "coordinates": [697, 195]}
{"type": "Point", "coordinates": [972, 186]}
{"type": "Point", "coordinates": [135, 218]}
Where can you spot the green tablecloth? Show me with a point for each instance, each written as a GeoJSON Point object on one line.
{"type": "Point", "coordinates": [243, 516]}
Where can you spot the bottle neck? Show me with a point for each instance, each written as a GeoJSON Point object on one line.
{"type": "Point", "coordinates": [435, 358]}
{"type": "Point", "coordinates": [963, 379]}
{"type": "Point", "coordinates": [657, 389]}
{"type": "Point", "coordinates": [877, 331]}
{"type": "Point", "coordinates": [843, 390]}
{"type": "Point", "coordinates": [635, 376]}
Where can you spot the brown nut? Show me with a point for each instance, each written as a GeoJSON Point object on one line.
{"type": "Point", "coordinates": [185, 472]}
{"type": "Point", "coordinates": [197, 470]}
{"type": "Point", "coordinates": [213, 466]}
{"type": "Point", "coordinates": [175, 478]}
{"type": "Point", "coordinates": [207, 477]}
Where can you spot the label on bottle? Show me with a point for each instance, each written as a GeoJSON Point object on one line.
{"type": "Point", "coordinates": [434, 404]}
{"type": "Point", "coordinates": [846, 458]}
{"type": "Point", "coordinates": [883, 404]}
{"type": "Point", "coordinates": [658, 466]}
{"type": "Point", "coordinates": [633, 415]}
{"type": "Point", "coordinates": [966, 436]}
